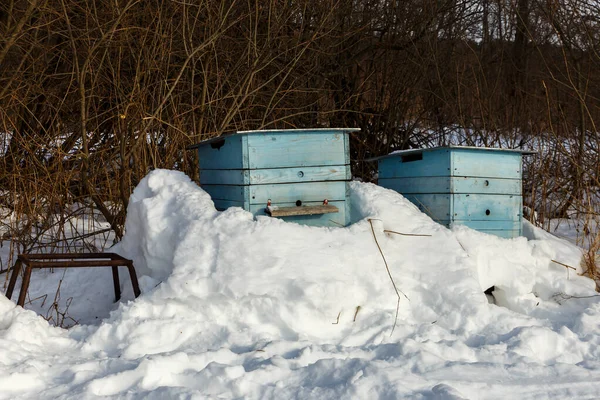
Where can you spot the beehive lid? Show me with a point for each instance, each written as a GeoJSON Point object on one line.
{"type": "Point", "coordinates": [417, 151]}
{"type": "Point", "coordinates": [283, 131]}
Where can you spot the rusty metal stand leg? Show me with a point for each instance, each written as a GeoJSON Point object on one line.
{"type": "Point", "coordinates": [13, 278]}
{"type": "Point", "coordinates": [134, 280]}
{"type": "Point", "coordinates": [24, 286]}
{"type": "Point", "coordinates": [115, 273]}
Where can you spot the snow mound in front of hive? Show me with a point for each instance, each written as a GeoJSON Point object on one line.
{"type": "Point", "coordinates": [236, 307]}
{"type": "Point", "coordinates": [245, 283]}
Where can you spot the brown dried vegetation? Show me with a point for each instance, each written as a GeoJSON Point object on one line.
{"type": "Point", "coordinates": [95, 93]}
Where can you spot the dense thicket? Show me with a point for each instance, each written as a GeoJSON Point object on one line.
{"type": "Point", "coordinates": [95, 93]}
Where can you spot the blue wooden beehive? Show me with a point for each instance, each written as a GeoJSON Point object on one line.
{"type": "Point", "coordinates": [474, 186]}
{"type": "Point", "coordinates": [295, 169]}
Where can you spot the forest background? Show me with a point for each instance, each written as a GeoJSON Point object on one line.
{"type": "Point", "coordinates": [96, 93]}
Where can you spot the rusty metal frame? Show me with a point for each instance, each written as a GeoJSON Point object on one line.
{"type": "Point", "coordinates": [70, 260]}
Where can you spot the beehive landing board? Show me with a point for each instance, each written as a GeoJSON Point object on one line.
{"type": "Point", "coordinates": [477, 187]}
{"type": "Point", "coordinates": [289, 167]}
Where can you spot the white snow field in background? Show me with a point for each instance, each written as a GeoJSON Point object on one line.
{"type": "Point", "coordinates": [233, 307]}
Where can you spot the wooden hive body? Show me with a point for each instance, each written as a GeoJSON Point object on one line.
{"type": "Point", "coordinates": [477, 187]}
{"type": "Point", "coordinates": [292, 168]}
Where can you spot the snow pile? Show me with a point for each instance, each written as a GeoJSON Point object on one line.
{"type": "Point", "coordinates": [235, 307]}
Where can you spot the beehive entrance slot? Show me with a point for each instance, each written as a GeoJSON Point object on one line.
{"type": "Point", "coordinates": [218, 144]}
{"type": "Point", "coordinates": [412, 157]}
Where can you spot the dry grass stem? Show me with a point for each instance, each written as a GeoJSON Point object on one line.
{"type": "Point", "coordinates": [390, 276]}
{"type": "Point", "coordinates": [407, 234]}
{"type": "Point", "coordinates": [356, 313]}
{"type": "Point", "coordinates": [337, 321]}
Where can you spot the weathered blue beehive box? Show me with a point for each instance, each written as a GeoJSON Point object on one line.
{"type": "Point", "coordinates": [303, 173]}
{"type": "Point", "coordinates": [473, 186]}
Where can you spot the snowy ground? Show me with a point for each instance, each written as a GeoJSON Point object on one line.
{"type": "Point", "coordinates": [237, 308]}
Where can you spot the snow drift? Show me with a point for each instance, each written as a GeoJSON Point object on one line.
{"type": "Point", "coordinates": [236, 307]}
